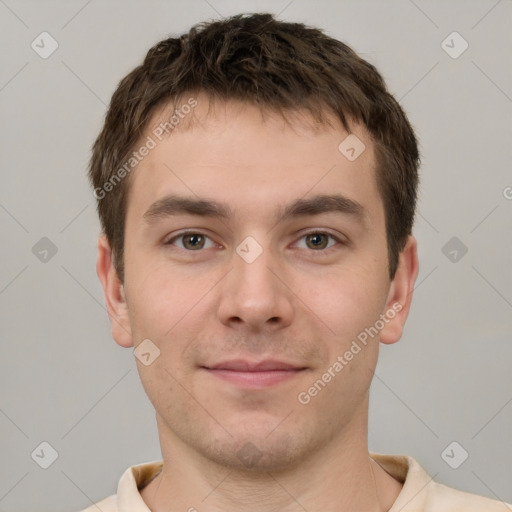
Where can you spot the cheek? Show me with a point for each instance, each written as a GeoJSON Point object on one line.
{"type": "Point", "coordinates": [156, 298]}
{"type": "Point", "coordinates": [169, 305]}
{"type": "Point", "coordinates": [347, 300]}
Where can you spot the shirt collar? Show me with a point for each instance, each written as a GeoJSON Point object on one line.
{"type": "Point", "coordinates": [402, 467]}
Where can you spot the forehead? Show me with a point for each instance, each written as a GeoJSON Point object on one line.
{"type": "Point", "coordinates": [248, 157]}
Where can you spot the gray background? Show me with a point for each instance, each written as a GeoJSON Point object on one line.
{"type": "Point", "coordinates": [65, 381]}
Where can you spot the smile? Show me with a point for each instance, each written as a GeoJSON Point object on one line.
{"type": "Point", "coordinates": [254, 375]}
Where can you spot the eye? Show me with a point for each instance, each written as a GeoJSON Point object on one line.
{"type": "Point", "coordinates": [319, 241]}
{"type": "Point", "coordinates": [191, 241]}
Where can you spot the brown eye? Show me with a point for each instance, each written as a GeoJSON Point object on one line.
{"type": "Point", "coordinates": [317, 240]}
{"type": "Point", "coordinates": [194, 241]}
{"type": "Point", "coordinates": [191, 241]}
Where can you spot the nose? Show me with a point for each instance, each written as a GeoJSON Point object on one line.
{"type": "Point", "coordinates": [255, 295]}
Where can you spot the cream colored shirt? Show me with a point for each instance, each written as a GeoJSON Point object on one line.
{"type": "Point", "coordinates": [419, 492]}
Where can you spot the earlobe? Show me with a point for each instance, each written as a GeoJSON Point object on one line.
{"type": "Point", "coordinates": [400, 293]}
{"type": "Point", "coordinates": [115, 295]}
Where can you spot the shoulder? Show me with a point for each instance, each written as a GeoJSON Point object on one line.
{"type": "Point", "coordinates": [133, 479]}
{"type": "Point", "coordinates": [106, 505]}
{"type": "Point", "coordinates": [442, 498]}
{"type": "Point", "coordinates": [420, 492]}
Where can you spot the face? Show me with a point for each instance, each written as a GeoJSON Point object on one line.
{"type": "Point", "coordinates": [255, 261]}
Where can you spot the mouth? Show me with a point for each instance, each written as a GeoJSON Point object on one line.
{"type": "Point", "coordinates": [252, 374]}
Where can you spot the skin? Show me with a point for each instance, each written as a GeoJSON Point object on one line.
{"type": "Point", "coordinates": [295, 302]}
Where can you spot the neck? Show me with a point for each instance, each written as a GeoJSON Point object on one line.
{"type": "Point", "coordinates": [339, 476]}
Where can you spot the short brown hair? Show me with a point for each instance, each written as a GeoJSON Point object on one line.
{"type": "Point", "coordinates": [278, 66]}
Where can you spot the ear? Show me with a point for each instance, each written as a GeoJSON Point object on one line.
{"type": "Point", "coordinates": [399, 298]}
{"type": "Point", "coordinates": [114, 295]}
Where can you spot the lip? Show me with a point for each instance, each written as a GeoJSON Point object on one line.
{"type": "Point", "coordinates": [254, 374]}
{"type": "Point", "coordinates": [245, 365]}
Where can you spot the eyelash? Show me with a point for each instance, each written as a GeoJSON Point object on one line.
{"type": "Point", "coordinates": [319, 251]}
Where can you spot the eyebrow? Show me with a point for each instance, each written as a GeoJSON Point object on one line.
{"type": "Point", "coordinates": [325, 203]}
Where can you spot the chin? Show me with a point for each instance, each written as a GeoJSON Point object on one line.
{"type": "Point", "coordinates": [255, 453]}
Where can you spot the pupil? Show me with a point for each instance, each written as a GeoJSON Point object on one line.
{"type": "Point", "coordinates": [193, 240]}
{"type": "Point", "coordinates": [317, 240]}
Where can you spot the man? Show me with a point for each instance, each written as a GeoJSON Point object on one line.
{"type": "Point", "coordinates": [256, 185]}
